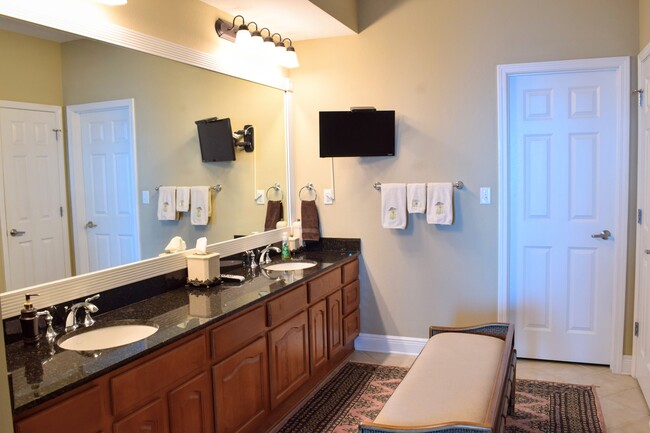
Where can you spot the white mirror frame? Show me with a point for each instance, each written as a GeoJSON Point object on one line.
{"type": "Point", "coordinates": [95, 282]}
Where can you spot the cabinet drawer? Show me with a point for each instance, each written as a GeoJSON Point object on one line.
{"type": "Point", "coordinates": [350, 271]}
{"type": "Point", "coordinates": [287, 305]}
{"type": "Point", "coordinates": [324, 285]}
{"type": "Point", "coordinates": [350, 297]}
{"type": "Point", "coordinates": [227, 338]}
{"type": "Point", "coordinates": [351, 327]}
{"type": "Point", "coordinates": [140, 383]}
{"type": "Point", "coordinates": [81, 413]}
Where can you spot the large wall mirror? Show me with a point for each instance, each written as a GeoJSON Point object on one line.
{"type": "Point", "coordinates": [168, 97]}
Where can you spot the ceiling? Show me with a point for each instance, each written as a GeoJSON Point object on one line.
{"type": "Point", "coordinates": [294, 19]}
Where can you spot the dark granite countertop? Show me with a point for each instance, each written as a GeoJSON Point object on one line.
{"type": "Point", "coordinates": [40, 373]}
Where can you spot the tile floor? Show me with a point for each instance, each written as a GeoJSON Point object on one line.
{"type": "Point", "coordinates": [623, 405]}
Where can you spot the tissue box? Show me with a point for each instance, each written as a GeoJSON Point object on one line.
{"type": "Point", "coordinates": [203, 268]}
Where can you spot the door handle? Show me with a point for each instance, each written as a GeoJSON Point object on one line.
{"type": "Point", "coordinates": [605, 234]}
{"type": "Point", "coordinates": [14, 232]}
{"type": "Point", "coordinates": [90, 225]}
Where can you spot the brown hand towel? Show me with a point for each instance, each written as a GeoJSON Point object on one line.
{"type": "Point", "coordinates": [274, 213]}
{"type": "Point", "coordinates": [309, 218]}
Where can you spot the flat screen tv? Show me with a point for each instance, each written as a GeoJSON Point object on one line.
{"type": "Point", "coordinates": [357, 133]}
{"type": "Point", "coordinates": [215, 138]}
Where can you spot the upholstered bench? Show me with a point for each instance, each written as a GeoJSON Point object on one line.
{"type": "Point", "coordinates": [462, 381]}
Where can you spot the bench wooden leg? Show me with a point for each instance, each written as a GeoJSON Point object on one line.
{"type": "Point", "coordinates": [511, 399]}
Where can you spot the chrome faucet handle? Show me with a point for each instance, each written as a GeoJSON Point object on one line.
{"type": "Point", "coordinates": [92, 298]}
{"type": "Point", "coordinates": [50, 333]}
{"type": "Point", "coordinates": [264, 256]}
{"type": "Point", "coordinates": [251, 255]}
{"type": "Point", "coordinates": [88, 320]}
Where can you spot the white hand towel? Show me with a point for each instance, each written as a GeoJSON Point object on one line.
{"type": "Point", "coordinates": [167, 203]}
{"type": "Point", "coordinates": [416, 196]}
{"type": "Point", "coordinates": [201, 208]}
{"type": "Point", "coordinates": [182, 198]}
{"type": "Point", "coordinates": [440, 204]}
{"type": "Point", "coordinates": [393, 205]}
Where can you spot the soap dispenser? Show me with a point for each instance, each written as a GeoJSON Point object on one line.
{"type": "Point", "coordinates": [29, 321]}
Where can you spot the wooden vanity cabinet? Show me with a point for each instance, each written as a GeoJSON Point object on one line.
{"type": "Point", "coordinates": [81, 411]}
{"type": "Point", "coordinates": [288, 357]}
{"type": "Point", "coordinates": [241, 375]}
{"type": "Point", "coordinates": [241, 389]}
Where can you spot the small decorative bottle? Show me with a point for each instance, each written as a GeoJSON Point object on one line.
{"type": "Point", "coordinates": [286, 254]}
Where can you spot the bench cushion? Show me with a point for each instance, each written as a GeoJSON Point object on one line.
{"type": "Point", "coordinates": [452, 379]}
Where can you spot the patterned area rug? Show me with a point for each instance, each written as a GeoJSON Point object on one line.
{"type": "Point", "coordinates": [358, 392]}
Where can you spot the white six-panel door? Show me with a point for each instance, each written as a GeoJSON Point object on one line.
{"type": "Point", "coordinates": [563, 195]}
{"type": "Point", "coordinates": [102, 146]}
{"type": "Point", "coordinates": [35, 228]}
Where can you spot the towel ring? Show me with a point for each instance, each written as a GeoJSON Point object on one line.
{"type": "Point", "coordinates": [309, 187]}
{"type": "Point", "coordinates": [276, 187]}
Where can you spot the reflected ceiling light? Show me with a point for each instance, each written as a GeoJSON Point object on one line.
{"type": "Point", "coordinates": [112, 2]}
{"type": "Point", "coordinates": [265, 45]}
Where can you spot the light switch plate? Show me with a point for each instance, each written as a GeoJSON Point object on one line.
{"type": "Point", "coordinates": [259, 196]}
{"type": "Point", "coordinates": [145, 197]}
{"type": "Point", "coordinates": [328, 196]}
{"type": "Point", "coordinates": [486, 195]}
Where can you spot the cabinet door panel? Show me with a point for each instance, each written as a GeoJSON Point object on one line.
{"type": "Point", "coordinates": [351, 327]}
{"type": "Point", "coordinates": [289, 357]}
{"type": "Point", "coordinates": [350, 297]}
{"type": "Point", "coordinates": [241, 389]}
{"type": "Point", "coordinates": [148, 419]}
{"type": "Point", "coordinates": [190, 406]}
{"type": "Point", "coordinates": [334, 324]}
{"type": "Point", "coordinates": [318, 335]}
{"type": "Point", "coordinates": [82, 413]}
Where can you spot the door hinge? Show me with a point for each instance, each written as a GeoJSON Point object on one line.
{"type": "Point", "coordinates": [636, 329]}
{"type": "Point", "coordinates": [61, 211]}
{"type": "Point", "coordinates": [639, 93]}
{"type": "Point", "coordinates": [639, 216]}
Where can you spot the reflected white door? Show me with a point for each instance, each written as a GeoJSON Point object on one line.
{"type": "Point", "coordinates": [103, 154]}
{"type": "Point", "coordinates": [35, 226]}
{"type": "Point", "coordinates": [563, 138]}
{"type": "Point", "coordinates": [641, 366]}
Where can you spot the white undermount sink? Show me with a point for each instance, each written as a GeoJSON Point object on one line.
{"type": "Point", "coordinates": [106, 336]}
{"type": "Point", "coordinates": [293, 265]}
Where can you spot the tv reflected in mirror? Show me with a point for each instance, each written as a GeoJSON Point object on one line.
{"type": "Point", "coordinates": [216, 140]}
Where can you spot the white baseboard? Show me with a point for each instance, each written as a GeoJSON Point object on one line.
{"type": "Point", "coordinates": [626, 366]}
{"type": "Point", "coordinates": [389, 344]}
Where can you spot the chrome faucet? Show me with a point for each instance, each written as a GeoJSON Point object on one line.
{"type": "Point", "coordinates": [71, 320]}
{"type": "Point", "coordinates": [264, 255]}
{"type": "Point", "coordinates": [50, 333]}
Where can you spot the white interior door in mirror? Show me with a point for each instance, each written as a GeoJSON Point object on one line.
{"type": "Point", "coordinates": [106, 221]}
{"type": "Point", "coordinates": [36, 238]}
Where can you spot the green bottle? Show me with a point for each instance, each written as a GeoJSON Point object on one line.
{"type": "Point", "coordinates": [286, 254]}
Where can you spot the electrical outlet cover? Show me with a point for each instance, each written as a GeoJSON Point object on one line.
{"type": "Point", "coordinates": [328, 196]}
{"type": "Point", "coordinates": [486, 195]}
{"type": "Point", "coordinates": [259, 196]}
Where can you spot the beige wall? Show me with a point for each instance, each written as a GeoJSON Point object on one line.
{"type": "Point", "coordinates": [435, 64]}
{"type": "Point", "coordinates": [169, 97]}
{"type": "Point", "coordinates": [644, 23]}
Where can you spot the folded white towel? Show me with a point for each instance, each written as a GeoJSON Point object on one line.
{"type": "Point", "coordinates": [440, 204]}
{"type": "Point", "coordinates": [393, 205]}
{"type": "Point", "coordinates": [167, 203]}
{"type": "Point", "coordinates": [416, 197]}
{"type": "Point", "coordinates": [182, 198]}
{"type": "Point", "coordinates": [201, 208]}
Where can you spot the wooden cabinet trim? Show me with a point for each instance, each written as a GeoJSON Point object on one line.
{"type": "Point", "coordinates": [137, 384]}
{"type": "Point", "coordinates": [351, 297]}
{"type": "Point", "coordinates": [350, 271]}
{"type": "Point", "coordinates": [324, 285]}
{"type": "Point", "coordinates": [286, 305]}
{"type": "Point", "coordinates": [235, 334]}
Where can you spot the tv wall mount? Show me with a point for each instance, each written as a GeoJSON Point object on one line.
{"type": "Point", "coordinates": [244, 138]}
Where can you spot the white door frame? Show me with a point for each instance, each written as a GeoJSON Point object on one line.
{"type": "Point", "coordinates": [78, 197]}
{"type": "Point", "coordinates": [622, 67]}
{"type": "Point", "coordinates": [644, 55]}
{"type": "Point", "coordinates": [62, 187]}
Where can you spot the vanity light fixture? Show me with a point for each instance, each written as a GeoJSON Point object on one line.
{"type": "Point", "coordinates": [242, 36]}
